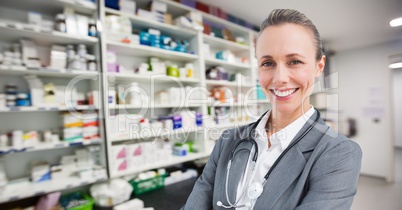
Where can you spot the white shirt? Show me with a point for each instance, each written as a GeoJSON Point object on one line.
{"type": "Point", "coordinates": [280, 140]}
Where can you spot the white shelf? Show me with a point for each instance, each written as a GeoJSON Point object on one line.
{"type": "Point", "coordinates": [47, 108]}
{"type": "Point", "coordinates": [21, 70]}
{"type": "Point", "coordinates": [225, 64]}
{"type": "Point", "coordinates": [225, 44]}
{"type": "Point", "coordinates": [53, 6]}
{"type": "Point", "coordinates": [143, 23]}
{"type": "Point", "coordinates": [48, 146]}
{"type": "Point", "coordinates": [156, 106]}
{"type": "Point", "coordinates": [147, 51]}
{"type": "Point", "coordinates": [218, 104]}
{"type": "Point", "coordinates": [206, 16]}
{"type": "Point", "coordinates": [261, 101]}
{"type": "Point", "coordinates": [147, 78]}
{"type": "Point", "coordinates": [231, 125]}
{"type": "Point", "coordinates": [174, 132]}
{"type": "Point", "coordinates": [25, 189]}
{"type": "Point", "coordinates": [226, 83]}
{"type": "Point", "coordinates": [173, 161]}
{"type": "Point", "coordinates": [12, 32]}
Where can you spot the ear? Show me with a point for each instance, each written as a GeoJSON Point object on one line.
{"type": "Point", "coordinates": [320, 66]}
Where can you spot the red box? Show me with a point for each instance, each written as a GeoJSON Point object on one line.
{"type": "Point", "coordinates": [207, 29]}
{"type": "Point", "coordinates": [202, 7]}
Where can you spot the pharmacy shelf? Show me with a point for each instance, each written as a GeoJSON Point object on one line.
{"type": "Point", "coordinates": [206, 16]}
{"type": "Point", "coordinates": [144, 24]}
{"type": "Point", "coordinates": [14, 31]}
{"type": "Point", "coordinates": [20, 189]}
{"type": "Point", "coordinates": [225, 64]}
{"type": "Point", "coordinates": [52, 6]}
{"type": "Point", "coordinates": [218, 104]}
{"type": "Point", "coordinates": [44, 72]}
{"type": "Point", "coordinates": [263, 101]}
{"type": "Point", "coordinates": [173, 161]}
{"type": "Point", "coordinates": [156, 106]}
{"type": "Point", "coordinates": [47, 108]}
{"type": "Point", "coordinates": [156, 135]}
{"type": "Point", "coordinates": [148, 78]}
{"type": "Point", "coordinates": [147, 51]}
{"type": "Point", "coordinates": [49, 146]}
{"type": "Point", "coordinates": [225, 44]}
{"type": "Point", "coordinates": [231, 125]}
{"type": "Point", "coordinates": [226, 83]}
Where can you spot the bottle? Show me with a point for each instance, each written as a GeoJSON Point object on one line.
{"type": "Point", "coordinates": [61, 23]}
{"type": "Point", "coordinates": [82, 50]}
{"type": "Point", "coordinates": [92, 28]}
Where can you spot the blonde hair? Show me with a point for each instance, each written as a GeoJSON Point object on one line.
{"type": "Point", "coordinates": [282, 16]}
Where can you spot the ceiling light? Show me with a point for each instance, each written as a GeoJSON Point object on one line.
{"type": "Point", "coordinates": [396, 22]}
{"type": "Point", "coordinates": [395, 65]}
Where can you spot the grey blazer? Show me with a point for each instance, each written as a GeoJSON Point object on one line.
{"type": "Point", "coordinates": [318, 173]}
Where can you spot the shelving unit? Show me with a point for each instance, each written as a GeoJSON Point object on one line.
{"type": "Point", "coordinates": [47, 146]}
{"type": "Point", "coordinates": [141, 50]}
{"type": "Point", "coordinates": [148, 78]}
{"type": "Point", "coordinates": [155, 134]}
{"type": "Point", "coordinates": [47, 116]}
{"type": "Point", "coordinates": [24, 189]}
{"type": "Point", "coordinates": [173, 161]}
{"type": "Point", "coordinates": [129, 56]}
{"type": "Point", "coordinates": [8, 70]}
{"type": "Point", "coordinates": [11, 31]}
{"type": "Point", "coordinates": [47, 108]}
{"type": "Point", "coordinates": [213, 61]}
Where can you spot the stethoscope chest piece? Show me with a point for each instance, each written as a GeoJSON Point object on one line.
{"type": "Point", "coordinates": [254, 190]}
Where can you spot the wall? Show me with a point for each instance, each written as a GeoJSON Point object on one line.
{"type": "Point", "coordinates": [397, 104]}
{"type": "Point", "coordinates": [365, 94]}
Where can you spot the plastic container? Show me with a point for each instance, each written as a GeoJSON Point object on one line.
{"type": "Point", "coordinates": [82, 196]}
{"type": "Point", "coordinates": [143, 186]}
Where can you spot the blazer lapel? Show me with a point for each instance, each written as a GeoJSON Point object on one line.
{"type": "Point", "coordinates": [238, 167]}
{"type": "Point", "coordinates": [291, 165]}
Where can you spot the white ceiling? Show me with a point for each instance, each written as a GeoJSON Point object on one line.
{"type": "Point", "coordinates": [343, 24]}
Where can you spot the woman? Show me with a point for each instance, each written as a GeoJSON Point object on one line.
{"type": "Point", "coordinates": [289, 158]}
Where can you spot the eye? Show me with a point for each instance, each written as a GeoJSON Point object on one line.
{"type": "Point", "coordinates": [267, 64]}
{"type": "Point", "coordinates": [295, 62]}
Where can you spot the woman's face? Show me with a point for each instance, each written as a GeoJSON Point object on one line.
{"type": "Point", "coordinates": [287, 66]}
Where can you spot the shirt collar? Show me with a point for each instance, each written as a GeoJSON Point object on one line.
{"type": "Point", "coordinates": [284, 136]}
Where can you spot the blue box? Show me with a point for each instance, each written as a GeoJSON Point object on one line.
{"type": "Point", "coordinates": [114, 4]}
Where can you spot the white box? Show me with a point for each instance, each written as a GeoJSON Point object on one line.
{"type": "Point", "coordinates": [134, 150]}
{"type": "Point", "coordinates": [119, 152]}
{"type": "Point", "coordinates": [82, 25]}
{"type": "Point", "coordinates": [127, 6]}
{"type": "Point", "coordinates": [34, 18]}
{"type": "Point", "coordinates": [119, 165]}
{"type": "Point", "coordinates": [158, 7]}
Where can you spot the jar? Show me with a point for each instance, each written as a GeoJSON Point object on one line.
{"type": "Point", "coordinates": [61, 23]}
{"type": "Point", "coordinates": [92, 28]}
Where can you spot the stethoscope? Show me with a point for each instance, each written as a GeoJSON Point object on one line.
{"type": "Point", "coordinates": [255, 189]}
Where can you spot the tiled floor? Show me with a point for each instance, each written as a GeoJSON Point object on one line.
{"type": "Point", "coordinates": [376, 193]}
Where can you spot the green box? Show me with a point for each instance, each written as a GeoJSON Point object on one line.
{"type": "Point", "coordinates": [143, 186]}
{"type": "Point", "coordinates": [87, 206]}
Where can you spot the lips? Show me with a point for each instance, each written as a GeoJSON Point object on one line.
{"type": "Point", "coordinates": [284, 92]}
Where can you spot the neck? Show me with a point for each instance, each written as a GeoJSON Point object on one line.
{"type": "Point", "coordinates": [279, 120]}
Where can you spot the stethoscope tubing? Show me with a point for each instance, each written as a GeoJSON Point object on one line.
{"type": "Point", "coordinates": [255, 157]}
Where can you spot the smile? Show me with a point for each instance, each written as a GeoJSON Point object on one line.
{"type": "Point", "coordinates": [285, 93]}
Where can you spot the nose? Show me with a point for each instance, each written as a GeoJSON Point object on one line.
{"type": "Point", "coordinates": [281, 75]}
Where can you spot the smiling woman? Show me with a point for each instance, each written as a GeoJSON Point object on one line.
{"type": "Point", "coordinates": [289, 158]}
